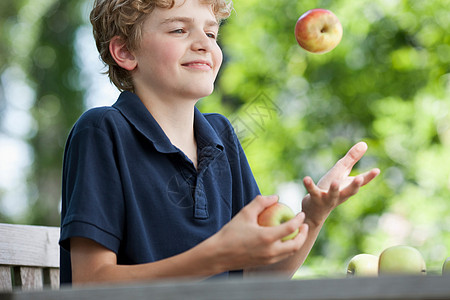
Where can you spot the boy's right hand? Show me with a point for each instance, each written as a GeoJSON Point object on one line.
{"type": "Point", "coordinates": [243, 243]}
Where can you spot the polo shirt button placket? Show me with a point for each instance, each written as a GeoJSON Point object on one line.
{"type": "Point", "coordinates": [200, 202]}
{"type": "Point", "coordinates": [206, 156]}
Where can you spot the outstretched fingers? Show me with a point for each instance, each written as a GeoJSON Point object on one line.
{"type": "Point", "coordinates": [352, 156]}
{"type": "Point", "coordinates": [311, 187]}
{"type": "Point", "coordinates": [359, 181]}
{"type": "Point", "coordinates": [315, 191]}
{"type": "Point", "coordinates": [352, 188]}
{"type": "Point", "coordinates": [333, 191]}
{"type": "Point", "coordinates": [369, 175]}
{"type": "Point", "coordinates": [355, 154]}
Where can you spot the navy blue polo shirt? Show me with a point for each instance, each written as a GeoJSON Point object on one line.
{"type": "Point", "coordinates": [127, 187]}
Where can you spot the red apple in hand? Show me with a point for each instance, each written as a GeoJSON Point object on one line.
{"type": "Point", "coordinates": [318, 31]}
{"type": "Point", "coordinates": [277, 214]}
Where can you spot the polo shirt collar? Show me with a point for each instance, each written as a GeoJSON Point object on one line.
{"type": "Point", "coordinates": [205, 133]}
{"type": "Point", "coordinates": [137, 114]}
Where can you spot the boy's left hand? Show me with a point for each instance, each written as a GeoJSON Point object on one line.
{"type": "Point", "coordinates": [336, 186]}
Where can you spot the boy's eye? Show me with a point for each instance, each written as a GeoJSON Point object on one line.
{"type": "Point", "coordinates": [178, 31]}
{"type": "Point", "coordinates": [211, 35]}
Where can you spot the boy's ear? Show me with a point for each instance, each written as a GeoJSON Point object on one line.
{"type": "Point", "coordinates": [120, 53]}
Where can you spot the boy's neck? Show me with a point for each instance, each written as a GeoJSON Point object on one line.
{"type": "Point", "coordinates": [176, 118]}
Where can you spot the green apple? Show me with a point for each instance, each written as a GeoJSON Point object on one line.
{"type": "Point", "coordinates": [318, 31]}
{"type": "Point", "coordinates": [401, 259]}
{"type": "Point", "coordinates": [446, 267]}
{"type": "Point", "coordinates": [363, 265]}
{"type": "Point", "coordinates": [277, 214]}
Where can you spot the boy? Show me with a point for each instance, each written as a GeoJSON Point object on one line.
{"type": "Point", "coordinates": [154, 189]}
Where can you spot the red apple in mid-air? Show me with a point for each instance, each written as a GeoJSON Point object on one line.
{"type": "Point", "coordinates": [318, 31]}
{"type": "Point", "coordinates": [277, 214]}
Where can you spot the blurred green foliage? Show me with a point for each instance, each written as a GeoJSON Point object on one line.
{"type": "Point", "coordinates": [387, 83]}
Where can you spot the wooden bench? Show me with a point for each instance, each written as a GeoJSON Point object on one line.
{"type": "Point", "coordinates": [29, 257]}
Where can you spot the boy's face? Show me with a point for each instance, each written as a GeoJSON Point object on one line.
{"type": "Point", "coordinates": [178, 54]}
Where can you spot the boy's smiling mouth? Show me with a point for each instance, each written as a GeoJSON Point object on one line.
{"type": "Point", "coordinates": [198, 64]}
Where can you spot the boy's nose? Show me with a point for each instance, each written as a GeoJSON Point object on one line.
{"type": "Point", "coordinates": [201, 42]}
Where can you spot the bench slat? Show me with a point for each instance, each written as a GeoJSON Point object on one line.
{"type": "Point", "coordinates": [38, 245]}
{"type": "Point", "coordinates": [5, 279]}
{"type": "Point", "coordinates": [30, 278]}
{"type": "Point", "coordinates": [54, 278]}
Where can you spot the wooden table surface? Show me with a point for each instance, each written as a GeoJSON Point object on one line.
{"type": "Point", "coordinates": [420, 287]}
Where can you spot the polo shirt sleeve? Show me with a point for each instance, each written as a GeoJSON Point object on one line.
{"type": "Point", "coordinates": [93, 205]}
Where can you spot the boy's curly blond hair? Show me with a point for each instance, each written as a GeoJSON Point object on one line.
{"type": "Point", "coordinates": [124, 18]}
